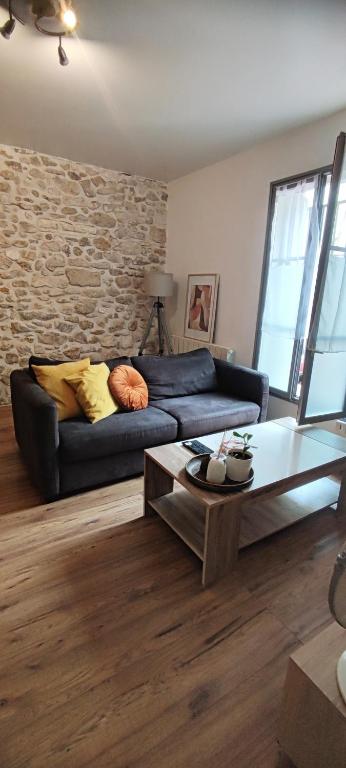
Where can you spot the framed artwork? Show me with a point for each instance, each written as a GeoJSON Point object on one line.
{"type": "Point", "coordinates": [201, 298]}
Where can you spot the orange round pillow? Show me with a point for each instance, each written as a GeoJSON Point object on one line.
{"type": "Point", "coordinates": [128, 387]}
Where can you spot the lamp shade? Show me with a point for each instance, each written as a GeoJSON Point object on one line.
{"type": "Point", "coordinates": [158, 283]}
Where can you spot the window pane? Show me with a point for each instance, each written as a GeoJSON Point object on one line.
{"type": "Point", "coordinates": [339, 230]}
{"type": "Point", "coordinates": [327, 385]}
{"type": "Point", "coordinates": [329, 329]}
{"type": "Point", "coordinates": [332, 322]}
{"type": "Point", "coordinates": [339, 237]}
{"type": "Point", "coordinates": [275, 359]}
{"type": "Point", "coordinates": [323, 210]}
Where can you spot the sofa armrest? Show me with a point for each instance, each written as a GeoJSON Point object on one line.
{"type": "Point", "coordinates": [244, 383]}
{"type": "Point", "coordinates": [36, 428]}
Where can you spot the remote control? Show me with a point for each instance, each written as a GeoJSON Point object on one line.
{"type": "Point", "coordinates": [196, 447]}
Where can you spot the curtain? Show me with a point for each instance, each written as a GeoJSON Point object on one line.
{"type": "Point", "coordinates": [295, 235]}
{"type": "Point", "coordinates": [292, 257]}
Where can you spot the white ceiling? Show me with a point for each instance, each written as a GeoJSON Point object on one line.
{"type": "Point", "coordinates": [162, 87]}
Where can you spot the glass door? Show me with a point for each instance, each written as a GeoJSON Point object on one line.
{"type": "Point", "coordinates": [323, 393]}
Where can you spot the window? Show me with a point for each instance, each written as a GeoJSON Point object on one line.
{"type": "Point", "coordinates": [296, 219]}
{"type": "Point", "coordinates": [323, 394]}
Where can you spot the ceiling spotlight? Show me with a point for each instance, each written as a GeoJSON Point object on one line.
{"type": "Point", "coordinates": [8, 28]}
{"type": "Point", "coordinates": [69, 19]}
{"type": "Point", "coordinates": [62, 54]}
{"type": "Point", "coordinates": [9, 25]}
{"type": "Point", "coordinates": [55, 18]}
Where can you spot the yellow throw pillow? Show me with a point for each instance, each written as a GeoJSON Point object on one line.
{"type": "Point", "coordinates": [52, 379]}
{"type": "Point", "coordinates": [92, 392]}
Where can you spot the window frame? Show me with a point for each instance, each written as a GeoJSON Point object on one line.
{"type": "Point", "coordinates": [321, 172]}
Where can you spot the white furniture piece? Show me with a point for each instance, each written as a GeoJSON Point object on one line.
{"type": "Point", "coordinates": [312, 729]}
{"type": "Point", "coordinates": [337, 604]}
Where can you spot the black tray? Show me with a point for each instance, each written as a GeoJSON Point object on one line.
{"type": "Point", "coordinates": [196, 469]}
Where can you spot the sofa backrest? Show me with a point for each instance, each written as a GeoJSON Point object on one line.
{"type": "Point", "coordinates": [112, 362]}
{"type": "Point", "coordinates": [177, 375]}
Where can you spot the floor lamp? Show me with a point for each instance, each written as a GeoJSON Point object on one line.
{"type": "Point", "coordinates": [159, 285]}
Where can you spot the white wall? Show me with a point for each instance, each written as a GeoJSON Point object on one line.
{"type": "Point", "coordinates": [216, 223]}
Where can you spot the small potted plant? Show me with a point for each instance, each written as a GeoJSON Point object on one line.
{"type": "Point", "coordinates": [239, 459]}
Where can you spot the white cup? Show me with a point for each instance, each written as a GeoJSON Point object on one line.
{"type": "Point", "coordinates": [216, 470]}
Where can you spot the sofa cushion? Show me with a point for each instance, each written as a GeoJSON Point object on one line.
{"type": "Point", "coordinates": [128, 388]}
{"type": "Point", "coordinates": [177, 375]}
{"type": "Point", "coordinates": [120, 432]}
{"type": "Point", "coordinates": [52, 379]}
{"type": "Point", "coordinates": [92, 392]}
{"type": "Point", "coordinates": [209, 412]}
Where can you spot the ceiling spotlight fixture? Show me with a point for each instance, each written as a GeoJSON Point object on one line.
{"type": "Point", "coordinates": [69, 19]}
{"type": "Point", "coordinates": [62, 54]}
{"type": "Point", "coordinates": [9, 25]}
{"type": "Point", "coordinates": [55, 18]}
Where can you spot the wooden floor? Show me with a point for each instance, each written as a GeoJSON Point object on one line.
{"type": "Point", "coordinates": [112, 656]}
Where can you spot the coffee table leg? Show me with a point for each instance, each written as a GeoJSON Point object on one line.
{"type": "Point", "coordinates": [221, 541]}
{"type": "Point", "coordinates": [341, 506]}
{"type": "Point", "coordinates": [156, 483]}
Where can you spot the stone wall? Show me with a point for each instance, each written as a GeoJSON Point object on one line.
{"type": "Point", "coordinates": [75, 241]}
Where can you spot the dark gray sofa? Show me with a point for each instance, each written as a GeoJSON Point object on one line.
{"type": "Point", "coordinates": [189, 395]}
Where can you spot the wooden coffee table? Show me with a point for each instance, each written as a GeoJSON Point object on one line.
{"type": "Point", "coordinates": [215, 526]}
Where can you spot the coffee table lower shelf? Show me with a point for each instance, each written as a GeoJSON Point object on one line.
{"type": "Point", "coordinates": [185, 515]}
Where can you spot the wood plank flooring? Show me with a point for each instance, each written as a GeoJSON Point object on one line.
{"type": "Point", "coordinates": [16, 492]}
{"type": "Point", "coordinates": [112, 656]}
